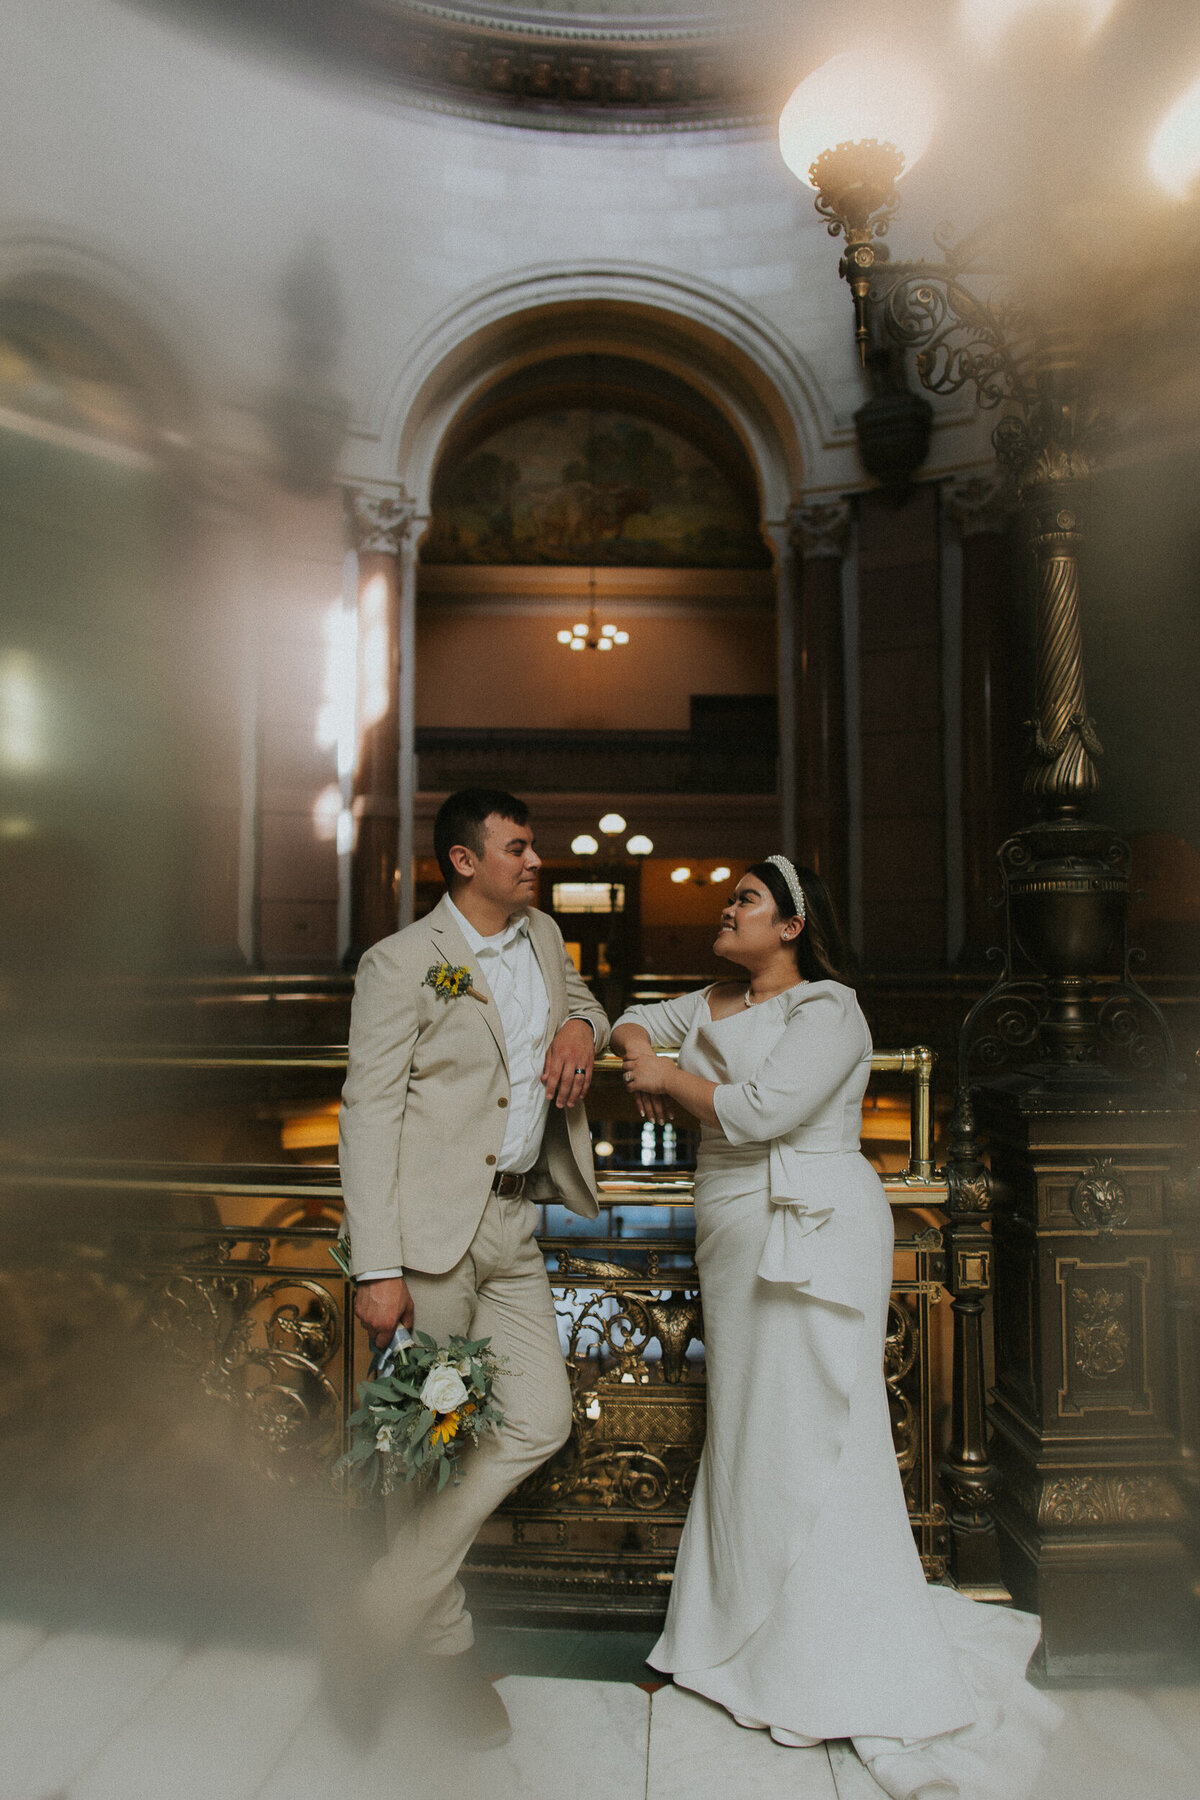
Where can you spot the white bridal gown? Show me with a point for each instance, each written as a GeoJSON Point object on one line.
{"type": "Point", "coordinates": [799, 1600]}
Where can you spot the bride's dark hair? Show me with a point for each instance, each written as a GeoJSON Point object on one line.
{"type": "Point", "coordinates": [820, 948]}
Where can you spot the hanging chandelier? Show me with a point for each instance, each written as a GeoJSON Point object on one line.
{"type": "Point", "coordinates": [591, 635]}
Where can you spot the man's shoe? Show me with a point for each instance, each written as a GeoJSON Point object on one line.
{"type": "Point", "coordinates": [463, 1704]}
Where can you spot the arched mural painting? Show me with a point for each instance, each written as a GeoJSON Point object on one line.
{"type": "Point", "coordinates": [595, 461]}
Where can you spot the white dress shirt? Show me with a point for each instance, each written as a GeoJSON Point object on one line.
{"type": "Point", "coordinates": [509, 966]}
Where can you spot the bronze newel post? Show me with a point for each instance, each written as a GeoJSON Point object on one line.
{"type": "Point", "coordinates": [820, 533]}
{"type": "Point", "coordinates": [381, 524]}
{"type": "Point", "coordinates": [1069, 1068]}
{"type": "Point", "coordinates": [1065, 1062]}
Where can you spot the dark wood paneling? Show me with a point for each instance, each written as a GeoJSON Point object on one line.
{"type": "Point", "coordinates": [900, 723]}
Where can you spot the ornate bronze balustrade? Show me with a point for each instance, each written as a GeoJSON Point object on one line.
{"type": "Point", "coordinates": [221, 1273]}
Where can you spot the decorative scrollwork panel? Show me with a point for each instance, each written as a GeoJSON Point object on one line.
{"type": "Point", "coordinates": [633, 1336]}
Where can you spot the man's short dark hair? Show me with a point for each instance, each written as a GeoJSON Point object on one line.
{"type": "Point", "coordinates": [461, 820]}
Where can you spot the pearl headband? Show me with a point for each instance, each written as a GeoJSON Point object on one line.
{"type": "Point", "coordinates": [787, 870]}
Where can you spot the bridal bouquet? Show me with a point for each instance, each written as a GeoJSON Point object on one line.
{"type": "Point", "coordinates": [421, 1402]}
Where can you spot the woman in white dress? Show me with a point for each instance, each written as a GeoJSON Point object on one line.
{"type": "Point", "coordinates": [799, 1601]}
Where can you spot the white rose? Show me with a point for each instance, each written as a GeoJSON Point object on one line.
{"type": "Point", "coordinates": [384, 1440]}
{"type": "Point", "coordinates": [443, 1391]}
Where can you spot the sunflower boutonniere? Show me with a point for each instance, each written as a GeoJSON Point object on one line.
{"type": "Point", "coordinates": [448, 981]}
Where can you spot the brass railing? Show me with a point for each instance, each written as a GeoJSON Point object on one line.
{"type": "Point", "coordinates": [225, 1272]}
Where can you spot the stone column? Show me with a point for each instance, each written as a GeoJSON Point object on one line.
{"type": "Point", "coordinates": [382, 525]}
{"type": "Point", "coordinates": [820, 534]}
{"type": "Point", "coordinates": [979, 509]}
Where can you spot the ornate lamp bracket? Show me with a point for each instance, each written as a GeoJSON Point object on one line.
{"type": "Point", "coordinates": [856, 195]}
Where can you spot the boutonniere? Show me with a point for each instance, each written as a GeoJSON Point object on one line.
{"type": "Point", "coordinates": [448, 981]}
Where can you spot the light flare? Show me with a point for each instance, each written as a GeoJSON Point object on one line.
{"type": "Point", "coordinates": [22, 729]}
{"type": "Point", "coordinates": [373, 651]}
{"type": "Point", "coordinates": [327, 809]}
{"type": "Point", "coordinates": [336, 717]}
{"type": "Point", "coordinates": [1174, 157]}
{"type": "Point", "coordinates": [985, 22]}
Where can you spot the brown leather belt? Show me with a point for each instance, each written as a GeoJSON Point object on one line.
{"type": "Point", "coordinates": [508, 1185]}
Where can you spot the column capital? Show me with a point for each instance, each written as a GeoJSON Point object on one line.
{"type": "Point", "coordinates": [381, 519]}
{"type": "Point", "coordinates": [821, 529]}
{"type": "Point", "coordinates": [978, 505]}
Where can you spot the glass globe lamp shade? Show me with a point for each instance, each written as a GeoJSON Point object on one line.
{"type": "Point", "coordinates": [1175, 150]}
{"type": "Point", "coordinates": [584, 845]}
{"type": "Point", "coordinates": [856, 99]}
{"type": "Point", "coordinates": [564, 637]}
{"type": "Point", "coordinates": [611, 824]}
{"type": "Point", "coordinates": [681, 875]}
{"type": "Point", "coordinates": [639, 845]}
{"type": "Point", "coordinates": [721, 874]}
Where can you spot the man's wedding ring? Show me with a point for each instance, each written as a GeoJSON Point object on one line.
{"type": "Point", "coordinates": [581, 1071]}
{"type": "Point", "coordinates": [629, 1075]}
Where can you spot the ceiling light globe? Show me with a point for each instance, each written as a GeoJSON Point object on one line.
{"type": "Point", "coordinates": [721, 874]}
{"type": "Point", "coordinates": [854, 98]}
{"type": "Point", "coordinates": [611, 824]}
{"type": "Point", "coordinates": [679, 875]}
{"type": "Point", "coordinates": [639, 845]}
{"type": "Point", "coordinates": [584, 845]}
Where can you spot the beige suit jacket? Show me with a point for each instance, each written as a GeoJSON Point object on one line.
{"type": "Point", "coordinates": [426, 1096]}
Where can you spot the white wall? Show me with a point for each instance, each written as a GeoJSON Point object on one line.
{"type": "Point", "coordinates": [185, 173]}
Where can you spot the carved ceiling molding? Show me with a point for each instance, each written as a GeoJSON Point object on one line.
{"type": "Point", "coordinates": [602, 69]}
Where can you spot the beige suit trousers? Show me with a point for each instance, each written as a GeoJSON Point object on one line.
{"type": "Point", "coordinates": [497, 1290]}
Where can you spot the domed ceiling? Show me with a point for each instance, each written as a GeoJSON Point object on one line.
{"type": "Point", "coordinates": [587, 65]}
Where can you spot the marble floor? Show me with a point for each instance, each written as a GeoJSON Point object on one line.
{"type": "Point", "coordinates": [94, 1714]}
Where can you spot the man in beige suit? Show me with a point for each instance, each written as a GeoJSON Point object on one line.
{"type": "Point", "coordinates": [457, 1115]}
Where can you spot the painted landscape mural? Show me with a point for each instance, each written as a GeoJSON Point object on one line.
{"type": "Point", "coordinates": [579, 487]}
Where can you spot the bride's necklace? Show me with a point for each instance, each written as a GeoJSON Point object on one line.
{"type": "Point", "coordinates": [747, 1001]}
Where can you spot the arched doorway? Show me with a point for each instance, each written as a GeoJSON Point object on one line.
{"type": "Point", "coordinates": [596, 630]}
{"type": "Point", "coordinates": [710, 361]}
